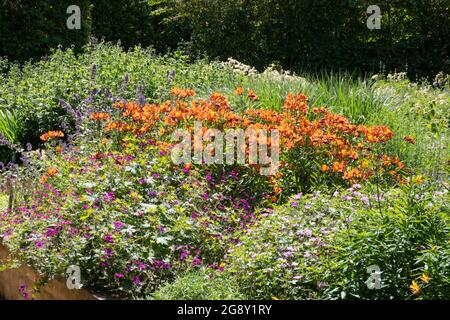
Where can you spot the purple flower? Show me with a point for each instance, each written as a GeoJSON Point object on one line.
{"type": "Point", "coordinates": [39, 244]}
{"type": "Point", "coordinates": [108, 238]}
{"type": "Point", "coordinates": [197, 261]}
{"type": "Point", "coordinates": [23, 290]}
{"type": "Point", "coordinates": [297, 196]}
{"type": "Point", "coordinates": [307, 254]}
{"type": "Point", "coordinates": [107, 253]}
{"type": "Point", "coordinates": [288, 254]}
{"type": "Point", "coordinates": [365, 199]}
{"type": "Point", "coordinates": [118, 224]}
{"type": "Point", "coordinates": [194, 215]}
{"type": "Point", "coordinates": [119, 275]}
{"type": "Point", "coordinates": [50, 232]}
{"type": "Point", "coordinates": [184, 254]}
{"type": "Point", "coordinates": [307, 232]}
{"type": "Point", "coordinates": [140, 265]}
{"type": "Point", "coordinates": [161, 229]}
{"type": "Point", "coordinates": [294, 204]}
{"type": "Point", "coordinates": [142, 181]}
{"type": "Point", "coordinates": [137, 280]}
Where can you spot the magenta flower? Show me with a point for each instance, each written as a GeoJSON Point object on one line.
{"type": "Point", "coordinates": [184, 254]}
{"type": "Point", "coordinates": [298, 196]}
{"type": "Point", "coordinates": [118, 224]}
{"type": "Point", "coordinates": [119, 275]}
{"type": "Point", "coordinates": [23, 290]}
{"type": "Point", "coordinates": [108, 238]}
{"type": "Point", "coordinates": [137, 280]}
{"type": "Point", "coordinates": [197, 261]}
{"type": "Point", "coordinates": [39, 244]}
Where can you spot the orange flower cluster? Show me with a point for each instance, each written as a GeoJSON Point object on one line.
{"type": "Point", "coordinates": [410, 139]}
{"type": "Point", "coordinates": [339, 147]}
{"type": "Point", "coordinates": [182, 94]}
{"type": "Point", "coordinates": [51, 135]}
{"type": "Point", "coordinates": [52, 172]}
{"type": "Point", "coordinates": [99, 116]}
{"type": "Point", "coordinates": [252, 95]}
{"type": "Point", "coordinates": [239, 91]}
{"type": "Point", "coordinates": [296, 103]}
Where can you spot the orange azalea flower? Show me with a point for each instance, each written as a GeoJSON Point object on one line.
{"type": "Point", "coordinates": [43, 179]}
{"type": "Point", "coordinates": [52, 172]}
{"type": "Point", "coordinates": [410, 139]}
{"type": "Point", "coordinates": [99, 116]}
{"type": "Point", "coordinates": [177, 92]}
{"type": "Point", "coordinates": [324, 168]}
{"type": "Point", "coordinates": [339, 166]}
{"type": "Point", "coordinates": [296, 103]}
{"type": "Point", "coordinates": [58, 149]}
{"type": "Point", "coordinates": [252, 95]}
{"type": "Point", "coordinates": [239, 91]}
{"type": "Point", "coordinates": [51, 135]}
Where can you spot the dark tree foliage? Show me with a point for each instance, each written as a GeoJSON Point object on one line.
{"type": "Point", "coordinates": [28, 28]}
{"type": "Point", "coordinates": [296, 34]}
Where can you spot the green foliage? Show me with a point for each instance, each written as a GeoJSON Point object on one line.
{"type": "Point", "coordinates": [200, 285]}
{"type": "Point", "coordinates": [34, 91]}
{"type": "Point", "coordinates": [320, 246]}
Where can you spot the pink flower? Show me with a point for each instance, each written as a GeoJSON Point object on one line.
{"type": "Point", "coordinates": [108, 238]}
{"type": "Point", "coordinates": [118, 224]}
{"type": "Point", "coordinates": [39, 244]}
{"type": "Point", "coordinates": [197, 261]}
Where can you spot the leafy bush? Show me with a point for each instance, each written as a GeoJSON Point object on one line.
{"type": "Point", "coordinates": [321, 246]}
{"type": "Point", "coordinates": [35, 90]}
{"type": "Point", "coordinates": [200, 285]}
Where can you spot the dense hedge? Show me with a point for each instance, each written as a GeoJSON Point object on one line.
{"type": "Point", "coordinates": [297, 34]}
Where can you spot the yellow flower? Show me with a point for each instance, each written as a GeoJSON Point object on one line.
{"type": "Point", "coordinates": [415, 288]}
{"type": "Point", "coordinates": [418, 179]}
{"type": "Point", "coordinates": [425, 278]}
{"type": "Point", "coordinates": [275, 298]}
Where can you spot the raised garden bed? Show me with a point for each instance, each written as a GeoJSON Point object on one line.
{"type": "Point", "coordinates": [12, 280]}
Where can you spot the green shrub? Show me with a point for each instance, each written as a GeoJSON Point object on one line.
{"type": "Point", "coordinates": [322, 246]}
{"type": "Point", "coordinates": [200, 285]}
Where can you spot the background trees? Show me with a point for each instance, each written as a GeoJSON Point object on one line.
{"type": "Point", "coordinates": [296, 34]}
